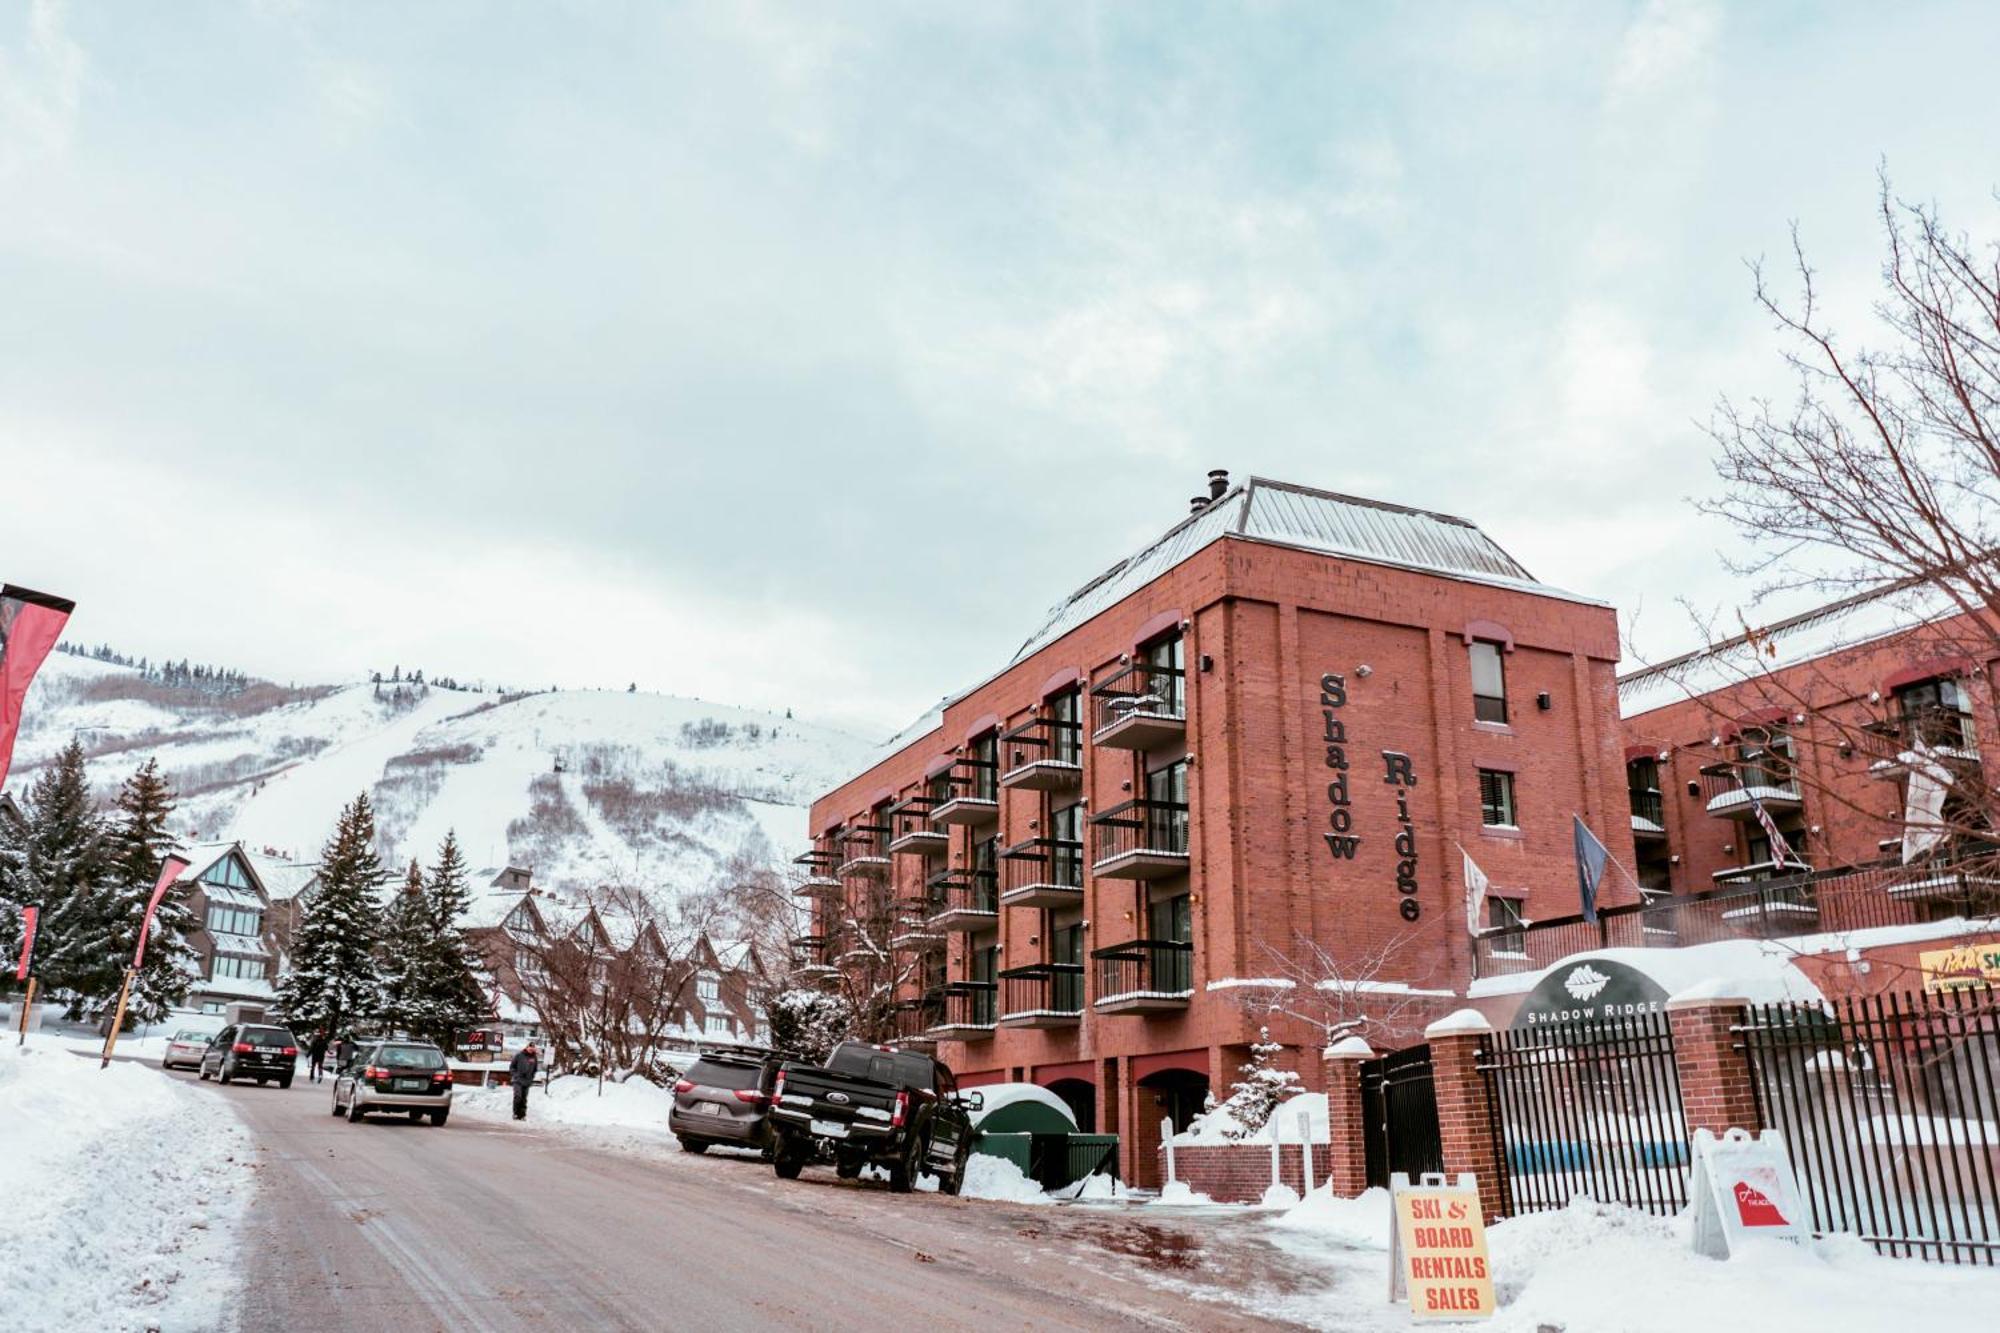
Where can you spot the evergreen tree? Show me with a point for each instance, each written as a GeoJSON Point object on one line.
{"type": "Point", "coordinates": [138, 841]}
{"type": "Point", "coordinates": [455, 1001]}
{"type": "Point", "coordinates": [406, 935]}
{"type": "Point", "coordinates": [332, 981]}
{"type": "Point", "coordinates": [1255, 1097]}
{"type": "Point", "coordinates": [55, 856]}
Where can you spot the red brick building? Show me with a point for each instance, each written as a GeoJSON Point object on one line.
{"type": "Point", "coordinates": [1249, 753]}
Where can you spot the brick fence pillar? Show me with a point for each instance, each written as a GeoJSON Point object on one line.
{"type": "Point", "coordinates": [1465, 1126]}
{"type": "Point", "coordinates": [1716, 1090]}
{"type": "Point", "coordinates": [1346, 1128]}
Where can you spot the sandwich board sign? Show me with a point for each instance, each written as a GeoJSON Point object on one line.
{"type": "Point", "coordinates": [1743, 1187]}
{"type": "Point", "coordinates": [1437, 1249]}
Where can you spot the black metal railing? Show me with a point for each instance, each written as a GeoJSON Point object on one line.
{"type": "Point", "coordinates": [865, 840]}
{"type": "Point", "coordinates": [1935, 728]}
{"type": "Point", "coordinates": [810, 951]}
{"type": "Point", "coordinates": [1851, 898]}
{"type": "Point", "coordinates": [964, 891]}
{"type": "Point", "coordinates": [1399, 1117]}
{"type": "Point", "coordinates": [1055, 862]}
{"type": "Point", "coordinates": [1140, 690]}
{"type": "Point", "coordinates": [1140, 826]}
{"type": "Point", "coordinates": [1587, 1107]}
{"type": "Point", "coordinates": [969, 1004]}
{"type": "Point", "coordinates": [970, 779]}
{"type": "Point", "coordinates": [1648, 806]}
{"type": "Point", "coordinates": [1058, 740]}
{"type": "Point", "coordinates": [1770, 778]}
{"type": "Point", "coordinates": [912, 1020]}
{"type": "Point", "coordinates": [1889, 1111]}
{"type": "Point", "coordinates": [912, 814]}
{"type": "Point", "coordinates": [1042, 988]}
{"type": "Point", "coordinates": [819, 858]}
{"type": "Point", "coordinates": [1145, 968]}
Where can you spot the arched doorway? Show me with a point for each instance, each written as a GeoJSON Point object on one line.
{"type": "Point", "coordinates": [1175, 1095]}
{"type": "Point", "coordinates": [1081, 1099]}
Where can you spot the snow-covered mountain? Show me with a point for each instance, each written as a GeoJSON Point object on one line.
{"type": "Point", "coordinates": [584, 786]}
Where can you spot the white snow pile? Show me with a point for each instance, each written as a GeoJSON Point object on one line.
{"type": "Point", "coordinates": [122, 1194]}
{"type": "Point", "coordinates": [579, 1101]}
{"type": "Point", "coordinates": [1179, 1194]}
{"type": "Point", "coordinates": [988, 1177]}
{"type": "Point", "coordinates": [1361, 1222]}
{"type": "Point", "coordinates": [1218, 1127]}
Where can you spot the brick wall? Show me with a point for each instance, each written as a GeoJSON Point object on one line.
{"type": "Point", "coordinates": [1241, 1172]}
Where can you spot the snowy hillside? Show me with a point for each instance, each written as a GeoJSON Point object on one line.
{"type": "Point", "coordinates": [585, 787]}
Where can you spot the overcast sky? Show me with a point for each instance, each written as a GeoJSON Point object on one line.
{"type": "Point", "coordinates": [803, 355]}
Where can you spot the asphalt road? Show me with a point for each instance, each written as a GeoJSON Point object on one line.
{"type": "Point", "coordinates": [487, 1225]}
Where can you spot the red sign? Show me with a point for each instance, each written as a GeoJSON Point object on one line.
{"type": "Point", "coordinates": [29, 916]}
{"type": "Point", "coordinates": [30, 623]}
{"type": "Point", "coordinates": [170, 871]}
{"type": "Point", "coordinates": [1755, 1209]}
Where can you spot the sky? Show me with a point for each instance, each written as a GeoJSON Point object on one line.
{"type": "Point", "coordinates": [804, 355]}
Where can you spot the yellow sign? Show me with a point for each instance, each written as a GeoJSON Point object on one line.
{"type": "Point", "coordinates": [1964, 967]}
{"type": "Point", "coordinates": [1438, 1254]}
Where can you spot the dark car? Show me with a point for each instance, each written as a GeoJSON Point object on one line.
{"type": "Point", "coordinates": [408, 1076]}
{"type": "Point", "coordinates": [725, 1098]}
{"type": "Point", "coordinates": [873, 1105]}
{"type": "Point", "coordinates": [252, 1050]}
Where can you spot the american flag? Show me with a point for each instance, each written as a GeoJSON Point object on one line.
{"type": "Point", "coordinates": [1781, 851]}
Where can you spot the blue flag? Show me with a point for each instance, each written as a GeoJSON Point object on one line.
{"type": "Point", "coordinates": [1590, 858]}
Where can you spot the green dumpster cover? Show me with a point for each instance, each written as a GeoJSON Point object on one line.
{"type": "Point", "coordinates": [1013, 1147]}
{"type": "Point", "coordinates": [1022, 1108]}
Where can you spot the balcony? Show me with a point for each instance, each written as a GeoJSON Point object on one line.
{"type": "Point", "coordinates": [1726, 788]}
{"type": "Point", "coordinates": [1042, 995]}
{"type": "Point", "coordinates": [820, 884]}
{"type": "Point", "coordinates": [1945, 734]}
{"type": "Point", "coordinates": [911, 830]}
{"type": "Point", "coordinates": [1042, 872]}
{"type": "Point", "coordinates": [1045, 754]}
{"type": "Point", "coordinates": [968, 1011]}
{"type": "Point", "coordinates": [866, 847]}
{"type": "Point", "coordinates": [966, 900]}
{"type": "Point", "coordinates": [913, 1020]}
{"type": "Point", "coordinates": [1649, 823]}
{"type": "Point", "coordinates": [1144, 977]}
{"type": "Point", "coordinates": [1852, 898]}
{"type": "Point", "coordinates": [971, 794]}
{"type": "Point", "coordinates": [1143, 707]}
{"type": "Point", "coordinates": [918, 936]}
{"type": "Point", "coordinates": [809, 957]}
{"type": "Point", "coordinates": [1141, 839]}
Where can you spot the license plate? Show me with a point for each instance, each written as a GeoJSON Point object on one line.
{"type": "Point", "coordinates": [829, 1129]}
{"type": "Point", "coordinates": [409, 1085]}
{"type": "Point", "coordinates": [709, 1108]}
{"type": "Point", "coordinates": [269, 1050]}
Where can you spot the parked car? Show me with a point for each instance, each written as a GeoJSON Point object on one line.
{"type": "Point", "coordinates": [185, 1049]}
{"type": "Point", "coordinates": [725, 1098]}
{"type": "Point", "coordinates": [408, 1076]}
{"type": "Point", "coordinates": [873, 1105]}
{"type": "Point", "coordinates": [251, 1050]}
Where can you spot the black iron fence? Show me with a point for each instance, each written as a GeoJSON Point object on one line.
{"type": "Point", "coordinates": [1054, 739]}
{"type": "Point", "coordinates": [1162, 969]}
{"type": "Point", "coordinates": [1889, 1110]}
{"type": "Point", "coordinates": [1048, 989]}
{"type": "Point", "coordinates": [1648, 806]}
{"type": "Point", "coordinates": [1830, 900]}
{"type": "Point", "coordinates": [1399, 1116]}
{"type": "Point", "coordinates": [1771, 778]}
{"type": "Point", "coordinates": [962, 891]}
{"type": "Point", "coordinates": [1140, 690]}
{"type": "Point", "coordinates": [1042, 863]}
{"type": "Point", "coordinates": [1944, 729]}
{"type": "Point", "coordinates": [968, 1004]}
{"type": "Point", "coordinates": [1590, 1108]}
{"type": "Point", "coordinates": [1140, 826]}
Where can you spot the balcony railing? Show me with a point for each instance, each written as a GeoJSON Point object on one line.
{"type": "Point", "coordinates": [1043, 754]}
{"type": "Point", "coordinates": [1144, 976]}
{"type": "Point", "coordinates": [911, 831]}
{"type": "Point", "coordinates": [1648, 814]}
{"type": "Point", "coordinates": [968, 1010]}
{"type": "Point", "coordinates": [1858, 898]}
{"type": "Point", "coordinates": [971, 794]}
{"type": "Point", "coordinates": [810, 954]}
{"type": "Point", "coordinates": [913, 1020]}
{"type": "Point", "coordinates": [1142, 839]}
{"type": "Point", "coordinates": [1041, 995]}
{"type": "Point", "coordinates": [1726, 788]}
{"type": "Point", "coordinates": [1143, 707]}
{"type": "Point", "coordinates": [1042, 872]}
{"type": "Point", "coordinates": [1947, 734]}
{"type": "Point", "coordinates": [966, 899]}
{"type": "Point", "coordinates": [916, 935]}
{"type": "Point", "coordinates": [820, 883]}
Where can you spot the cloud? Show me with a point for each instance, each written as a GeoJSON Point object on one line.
{"type": "Point", "coordinates": [41, 88]}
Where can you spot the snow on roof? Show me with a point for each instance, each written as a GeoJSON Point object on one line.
{"type": "Point", "coordinates": [283, 880]}
{"type": "Point", "coordinates": [1757, 970]}
{"type": "Point", "coordinates": [489, 910]}
{"type": "Point", "coordinates": [1306, 519]}
{"type": "Point", "coordinates": [999, 1095]}
{"type": "Point", "coordinates": [1848, 623]}
{"type": "Point", "coordinates": [731, 955]}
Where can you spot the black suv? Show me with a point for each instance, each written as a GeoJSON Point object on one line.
{"type": "Point", "coordinates": [251, 1050]}
{"type": "Point", "coordinates": [408, 1076]}
{"type": "Point", "coordinates": [725, 1098]}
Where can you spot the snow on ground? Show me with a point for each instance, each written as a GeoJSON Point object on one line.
{"type": "Point", "coordinates": [576, 1101]}
{"type": "Point", "coordinates": [1217, 1127]}
{"type": "Point", "coordinates": [124, 1194]}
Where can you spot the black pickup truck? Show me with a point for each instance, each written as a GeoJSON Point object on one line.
{"type": "Point", "coordinates": [872, 1105]}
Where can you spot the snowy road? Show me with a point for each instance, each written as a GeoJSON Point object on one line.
{"type": "Point", "coordinates": [485, 1225]}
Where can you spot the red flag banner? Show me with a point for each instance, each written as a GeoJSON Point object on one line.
{"type": "Point", "coordinates": [30, 624]}
{"type": "Point", "coordinates": [29, 917]}
{"type": "Point", "coordinates": [170, 871]}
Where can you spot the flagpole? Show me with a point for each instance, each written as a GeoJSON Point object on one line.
{"type": "Point", "coordinates": [118, 1020]}
{"type": "Point", "coordinates": [27, 1007]}
{"type": "Point", "coordinates": [1641, 888]}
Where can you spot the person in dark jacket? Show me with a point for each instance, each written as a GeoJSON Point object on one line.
{"type": "Point", "coordinates": [521, 1076]}
{"type": "Point", "coordinates": [316, 1053]}
{"type": "Point", "coordinates": [343, 1051]}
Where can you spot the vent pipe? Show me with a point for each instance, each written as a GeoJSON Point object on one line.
{"type": "Point", "coordinates": [1197, 503]}
{"type": "Point", "coordinates": [1218, 482]}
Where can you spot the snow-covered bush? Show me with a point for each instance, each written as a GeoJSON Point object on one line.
{"type": "Point", "coordinates": [809, 1023]}
{"type": "Point", "coordinates": [1261, 1090]}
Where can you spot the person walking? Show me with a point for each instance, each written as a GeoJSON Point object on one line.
{"type": "Point", "coordinates": [521, 1076]}
{"type": "Point", "coordinates": [316, 1055]}
{"type": "Point", "coordinates": [343, 1051]}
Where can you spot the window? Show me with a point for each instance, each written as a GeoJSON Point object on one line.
{"type": "Point", "coordinates": [233, 920]}
{"type": "Point", "coordinates": [1167, 820]}
{"type": "Point", "coordinates": [715, 1025]}
{"type": "Point", "coordinates": [229, 965]}
{"type": "Point", "coordinates": [1496, 799]}
{"type": "Point", "coordinates": [1502, 913]}
{"type": "Point", "coordinates": [1764, 759]}
{"type": "Point", "coordinates": [1938, 713]}
{"type": "Point", "coordinates": [1168, 675]}
{"type": "Point", "coordinates": [1066, 856]}
{"type": "Point", "coordinates": [1642, 782]}
{"type": "Point", "coordinates": [228, 871]}
{"type": "Point", "coordinates": [1065, 713]}
{"type": "Point", "coordinates": [708, 987]}
{"type": "Point", "coordinates": [1489, 682]}
{"type": "Point", "coordinates": [984, 760]}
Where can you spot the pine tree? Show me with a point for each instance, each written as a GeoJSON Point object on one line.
{"type": "Point", "coordinates": [406, 936]}
{"type": "Point", "coordinates": [1257, 1095]}
{"type": "Point", "coordinates": [455, 1001]}
{"type": "Point", "coordinates": [138, 842]}
{"type": "Point", "coordinates": [55, 856]}
{"type": "Point", "coordinates": [332, 981]}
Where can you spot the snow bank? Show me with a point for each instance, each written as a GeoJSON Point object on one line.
{"type": "Point", "coordinates": [574, 1100]}
{"type": "Point", "coordinates": [989, 1177]}
{"type": "Point", "coordinates": [123, 1192]}
{"type": "Point", "coordinates": [1760, 971]}
{"type": "Point", "coordinates": [1361, 1222]}
{"type": "Point", "coordinates": [1218, 1127]}
{"type": "Point", "coordinates": [1179, 1194]}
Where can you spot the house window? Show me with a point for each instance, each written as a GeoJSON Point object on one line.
{"type": "Point", "coordinates": [230, 966]}
{"type": "Point", "coordinates": [708, 988]}
{"type": "Point", "coordinates": [715, 1025]}
{"type": "Point", "coordinates": [1489, 682]}
{"type": "Point", "coordinates": [1764, 759]}
{"type": "Point", "coordinates": [1066, 856]}
{"type": "Point", "coordinates": [1065, 711]}
{"type": "Point", "coordinates": [1642, 782]}
{"type": "Point", "coordinates": [233, 920]}
{"type": "Point", "coordinates": [1496, 799]}
{"type": "Point", "coordinates": [1938, 713]}
{"type": "Point", "coordinates": [1167, 677]}
{"type": "Point", "coordinates": [1502, 913]}
{"type": "Point", "coordinates": [984, 759]}
{"type": "Point", "coordinates": [1167, 819]}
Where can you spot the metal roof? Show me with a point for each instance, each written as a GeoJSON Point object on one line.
{"type": "Point", "coordinates": [1308, 520]}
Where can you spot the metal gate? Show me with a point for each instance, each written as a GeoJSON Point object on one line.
{"type": "Point", "coordinates": [1399, 1108]}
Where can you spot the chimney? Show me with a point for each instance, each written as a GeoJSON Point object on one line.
{"type": "Point", "coordinates": [1218, 482]}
